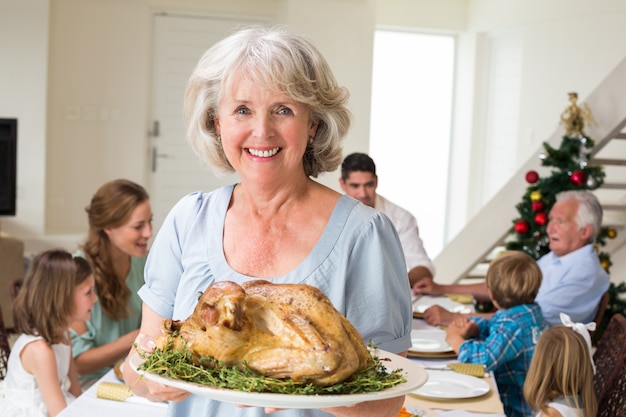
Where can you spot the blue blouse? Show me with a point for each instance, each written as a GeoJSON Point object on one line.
{"type": "Point", "coordinates": [358, 263]}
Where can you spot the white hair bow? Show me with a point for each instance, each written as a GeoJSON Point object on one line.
{"type": "Point", "coordinates": [583, 330]}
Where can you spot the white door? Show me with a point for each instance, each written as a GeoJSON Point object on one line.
{"type": "Point", "coordinates": [179, 42]}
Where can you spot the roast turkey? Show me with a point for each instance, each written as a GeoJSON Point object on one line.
{"type": "Point", "coordinates": [279, 330]}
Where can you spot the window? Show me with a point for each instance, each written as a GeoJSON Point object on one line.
{"type": "Point", "coordinates": [410, 129]}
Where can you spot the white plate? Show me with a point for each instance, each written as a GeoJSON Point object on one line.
{"type": "Point", "coordinates": [415, 376]}
{"type": "Point", "coordinates": [424, 303]}
{"type": "Point", "coordinates": [452, 385]}
{"type": "Point", "coordinates": [429, 341]}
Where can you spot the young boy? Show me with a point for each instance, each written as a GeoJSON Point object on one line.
{"type": "Point", "coordinates": [505, 343]}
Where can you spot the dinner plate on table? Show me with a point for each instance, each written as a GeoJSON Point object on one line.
{"type": "Point", "coordinates": [414, 374]}
{"type": "Point", "coordinates": [424, 340]}
{"type": "Point", "coordinates": [430, 344]}
{"type": "Point", "coordinates": [451, 385]}
{"type": "Point", "coordinates": [421, 304]}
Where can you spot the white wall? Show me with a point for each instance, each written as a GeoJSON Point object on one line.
{"type": "Point", "coordinates": [568, 45]}
{"type": "Point", "coordinates": [23, 72]}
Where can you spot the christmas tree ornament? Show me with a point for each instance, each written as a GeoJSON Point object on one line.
{"type": "Point", "coordinates": [541, 218]}
{"type": "Point", "coordinates": [606, 264]}
{"type": "Point", "coordinates": [535, 196]}
{"type": "Point", "coordinates": [574, 117]}
{"type": "Point", "coordinates": [532, 177]}
{"type": "Point", "coordinates": [591, 182]}
{"type": "Point", "coordinates": [611, 233]}
{"type": "Point", "coordinates": [542, 156]}
{"type": "Point", "coordinates": [537, 206]}
{"type": "Point", "coordinates": [521, 227]}
{"type": "Point", "coordinates": [578, 177]}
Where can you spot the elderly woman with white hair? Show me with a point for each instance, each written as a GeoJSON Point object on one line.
{"type": "Point", "coordinates": [264, 103]}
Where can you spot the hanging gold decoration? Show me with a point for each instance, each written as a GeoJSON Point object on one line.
{"type": "Point", "coordinates": [574, 117]}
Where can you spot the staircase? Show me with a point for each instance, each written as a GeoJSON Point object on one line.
{"type": "Point", "coordinates": [465, 259]}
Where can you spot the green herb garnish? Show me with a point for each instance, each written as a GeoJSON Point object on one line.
{"type": "Point", "coordinates": [177, 364]}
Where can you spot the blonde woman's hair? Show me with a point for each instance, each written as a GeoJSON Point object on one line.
{"type": "Point", "coordinates": [111, 206]}
{"type": "Point", "coordinates": [279, 60]}
{"type": "Point", "coordinates": [45, 301]}
{"type": "Point", "coordinates": [513, 279]}
{"type": "Point", "coordinates": [561, 367]}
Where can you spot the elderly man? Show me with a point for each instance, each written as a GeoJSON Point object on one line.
{"type": "Point", "coordinates": [359, 180]}
{"type": "Point", "coordinates": [573, 279]}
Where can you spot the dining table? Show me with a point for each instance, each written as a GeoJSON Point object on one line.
{"type": "Point", "coordinates": [484, 405]}
{"type": "Point", "coordinates": [89, 403]}
{"type": "Point", "coordinates": [436, 362]}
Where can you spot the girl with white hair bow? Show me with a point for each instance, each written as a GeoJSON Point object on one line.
{"type": "Point", "coordinates": [560, 377]}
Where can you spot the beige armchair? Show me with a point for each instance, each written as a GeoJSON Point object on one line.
{"type": "Point", "coordinates": [11, 267]}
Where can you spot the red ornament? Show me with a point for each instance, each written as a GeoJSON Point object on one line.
{"type": "Point", "coordinates": [537, 206]}
{"type": "Point", "coordinates": [532, 177]}
{"type": "Point", "coordinates": [541, 218]}
{"type": "Point", "coordinates": [521, 227]}
{"type": "Point", "coordinates": [578, 177]}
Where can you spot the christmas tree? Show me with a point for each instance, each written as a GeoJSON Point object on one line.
{"type": "Point", "coordinates": [571, 171]}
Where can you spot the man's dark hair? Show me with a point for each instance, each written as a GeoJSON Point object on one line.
{"type": "Point", "coordinates": [357, 162]}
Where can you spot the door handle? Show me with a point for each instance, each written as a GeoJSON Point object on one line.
{"type": "Point", "coordinates": [155, 155]}
{"type": "Point", "coordinates": [156, 129]}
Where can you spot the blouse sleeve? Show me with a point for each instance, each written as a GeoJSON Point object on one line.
{"type": "Point", "coordinates": [378, 294]}
{"type": "Point", "coordinates": [164, 264]}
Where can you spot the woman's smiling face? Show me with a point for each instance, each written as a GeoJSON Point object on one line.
{"type": "Point", "coordinates": [263, 133]}
{"type": "Point", "coordinates": [132, 237]}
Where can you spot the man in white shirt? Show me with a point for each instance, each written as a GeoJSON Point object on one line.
{"type": "Point", "coordinates": [359, 180]}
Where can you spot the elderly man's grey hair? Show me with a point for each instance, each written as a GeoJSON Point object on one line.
{"type": "Point", "coordinates": [589, 209]}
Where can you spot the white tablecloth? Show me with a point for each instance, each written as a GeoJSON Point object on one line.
{"type": "Point", "coordinates": [88, 404]}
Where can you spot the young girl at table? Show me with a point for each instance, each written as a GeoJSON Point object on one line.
{"type": "Point", "coordinates": [505, 342]}
{"type": "Point", "coordinates": [41, 379]}
{"type": "Point", "coordinates": [560, 378]}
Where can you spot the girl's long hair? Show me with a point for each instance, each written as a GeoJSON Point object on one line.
{"type": "Point", "coordinates": [45, 301]}
{"type": "Point", "coordinates": [561, 367]}
{"type": "Point", "coordinates": [110, 207]}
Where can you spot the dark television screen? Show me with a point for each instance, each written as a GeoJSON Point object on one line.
{"type": "Point", "coordinates": [8, 166]}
